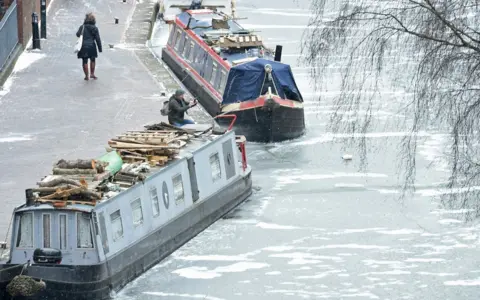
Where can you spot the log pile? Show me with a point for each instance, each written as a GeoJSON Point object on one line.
{"type": "Point", "coordinates": [154, 147]}
{"type": "Point", "coordinates": [88, 181]}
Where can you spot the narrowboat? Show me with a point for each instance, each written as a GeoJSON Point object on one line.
{"type": "Point", "coordinates": [94, 225]}
{"type": "Point", "coordinates": [231, 72]}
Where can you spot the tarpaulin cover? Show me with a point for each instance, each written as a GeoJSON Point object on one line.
{"type": "Point", "coordinates": [245, 81]}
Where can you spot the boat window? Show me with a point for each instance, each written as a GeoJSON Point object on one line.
{"type": "Point", "coordinates": [223, 81]}
{"type": "Point", "coordinates": [216, 167]}
{"type": "Point", "coordinates": [84, 231]}
{"type": "Point", "coordinates": [207, 69]}
{"type": "Point", "coordinates": [137, 212]}
{"type": "Point", "coordinates": [200, 53]}
{"type": "Point", "coordinates": [214, 74]}
{"type": "Point", "coordinates": [46, 230]}
{"type": "Point", "coordinates": [190, 57]}
{"type": "Point", "coordinates": [117, 226]}
{"type": "Point", "coordinates": [172, 35]}
{"type": "Point", "coordinates": [25, 231]}
{"type": "Point", "coordinates": [62, 229]}
{"type": "Point", "coordinates": [178, 188]}
{"type": "Point", "coordinates": [155, 204]}
{"type": "Point", "coordinates": [186, 48]}
{"type": "Point", "coordinates": [178, 39]}
{"type": "Point", "coordinates": [103, 231]}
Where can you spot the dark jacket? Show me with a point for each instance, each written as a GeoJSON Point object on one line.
{"type": "Point", "coordinates": [91, 40]}
{"type": "Point", "coordinates": [177, 109]}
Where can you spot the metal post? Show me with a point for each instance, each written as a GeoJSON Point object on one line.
{"type": "Point", "coordinates": [43, 17]}
{"type": "Point", "coordinates": [35, 33]}
{"type": "Point", "coordinates": [278, 53]}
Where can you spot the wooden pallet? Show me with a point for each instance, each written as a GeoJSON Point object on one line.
{"type": "Point", "coordinates": [135, 146]}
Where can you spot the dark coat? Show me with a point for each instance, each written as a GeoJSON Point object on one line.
{"type": "Point", "coordinates": [177, 109]}
{"type": "Point", "coordinates": [91, 40]}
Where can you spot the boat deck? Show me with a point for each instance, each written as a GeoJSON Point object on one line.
{"type": "Point", "coordinates": [131, 157]}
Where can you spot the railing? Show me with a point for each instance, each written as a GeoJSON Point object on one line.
{"type": "Point", "coordinates": [8, 33]}
{"type": "Point", "coordinates": [241, 141]}
{"type": "Point", "coordinates": [234, 118]}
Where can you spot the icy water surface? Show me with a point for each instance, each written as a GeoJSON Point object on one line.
{"type": "Point", "coordinates": [317, 228]}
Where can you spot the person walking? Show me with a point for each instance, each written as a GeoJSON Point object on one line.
{"type": "Point", "coordinates": [91, 41]}
{"type": "Point", "coordinates": [177, 106]}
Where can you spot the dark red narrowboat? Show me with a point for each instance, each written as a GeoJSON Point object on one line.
{"type": "Point", "coordinates": [232, 73]}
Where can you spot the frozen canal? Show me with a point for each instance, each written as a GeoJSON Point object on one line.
{"type": "Point", "coordinates": [316, 227]}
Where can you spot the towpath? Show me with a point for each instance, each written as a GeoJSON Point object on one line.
{"type": "Point", "coordinates": [47, 110]}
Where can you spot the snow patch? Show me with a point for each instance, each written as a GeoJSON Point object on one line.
{"type": "Point", "coordinates": [449, 221]}
{"type": "Point", "coordinates": [473, 282]}
{"type": "Point", "coordinates": [274, 226]}
{"type": "Point", "coordinates": [400, 231]}
{"type": "Point", "coordinates": [13, 139]}
{"type": "Point", "coordinates": [437, 274]}
{"type": "Point", "coordinates": [319, 275]}
{"type": "Point", "coordinates": [274, 273]}
{"type": "Point", "coordinates": [349, 185]}
{"type": "Point", "coordinates": [278, 248]}
{"type": "Point", "coordinates": [196, 273]}
{"type": "Point", "coordinates": [195, 296]}
{"type": "Point", "coordinates": [26, 59]}
{"type": "Point", "coordinates": [453, 211]}
{"type": "Point", "coordinates": [348, 246]}
{"type": "Point", "coordinates": [393, 272]}
{"type": "Point", "coordinates": [298, 178]}
{"type": "Point", "coordinates": [205, 273]}
{"type": "Point", "coordinates": [212, 258]}
{"type": "Point", "coordinates": [424, 259]}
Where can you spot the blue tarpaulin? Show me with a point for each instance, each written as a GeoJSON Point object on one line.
{"type": "Point", "coordinates": [245, 81]}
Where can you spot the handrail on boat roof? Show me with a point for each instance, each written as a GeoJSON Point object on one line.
{"type": "Point", "coordinates": [234, 118]}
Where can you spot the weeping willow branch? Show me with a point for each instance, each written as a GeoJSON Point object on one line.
{"type": "Point", "coordinates": [430, 49]}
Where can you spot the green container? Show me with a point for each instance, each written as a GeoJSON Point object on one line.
{"type": "Point", "coordinates": [114, 160]}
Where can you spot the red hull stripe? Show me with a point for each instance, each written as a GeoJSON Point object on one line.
{"type": "Point", "coordinates": [205, 47]}
{"type": "Point", "coordinates": [194, 72]}
{"type": "Point", "coordinates": [259, 102]}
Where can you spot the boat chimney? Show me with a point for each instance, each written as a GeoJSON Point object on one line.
{"type": "Point", "coordinates": [29, 196]}
{"type": "Point", "coordinates": [278, 53]}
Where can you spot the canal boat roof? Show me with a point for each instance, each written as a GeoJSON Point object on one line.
{"type": "Point", "coordinates": [234, 44]}
{"type": "Point", "coordinates": [190, 143]}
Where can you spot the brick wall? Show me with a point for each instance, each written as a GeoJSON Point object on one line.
{"type": "Point", "coordinates": [25, 8]}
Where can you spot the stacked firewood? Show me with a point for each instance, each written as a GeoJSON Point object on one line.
{"type": "Point", "coordinates": [69, 181]}
{"type": "Point", "coordinates": [154, 147]}
{"type": "Point", "coordinates": [139, 150]}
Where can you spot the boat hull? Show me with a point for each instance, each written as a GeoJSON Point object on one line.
{"type": "Point", "coordinates": [266, 123]}
{"type": "Point", "coordinates": [275, 124]}
{"type": "Point", "coordinates": [96, 282]}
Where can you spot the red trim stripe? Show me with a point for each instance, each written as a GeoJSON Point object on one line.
{"type": "Point", "coordinates": [260, 101]}
{"type": "Point", "coordinates": [194, 72]}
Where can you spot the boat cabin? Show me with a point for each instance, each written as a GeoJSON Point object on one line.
{"type": "Point", "coordinates": [107, 211]}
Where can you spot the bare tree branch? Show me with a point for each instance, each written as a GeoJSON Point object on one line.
{"type": "Point", "coordinates": [430, 49]}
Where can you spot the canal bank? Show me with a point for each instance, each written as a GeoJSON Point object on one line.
{"type": "Point", "coordinates": [48, 112]}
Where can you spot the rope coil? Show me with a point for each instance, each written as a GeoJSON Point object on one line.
{"type": "Point", "coordinates": [26, 286]}
{"type": "Point", "coordinates": [23, 285]}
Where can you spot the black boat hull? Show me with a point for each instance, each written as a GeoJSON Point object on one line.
{"type": "Point", "coordinates": [96, 282]}
{"type": "Point", "coordinates": [256, 124]}
{"type": "Point", "coordinates": [267, 125]}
